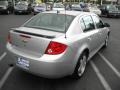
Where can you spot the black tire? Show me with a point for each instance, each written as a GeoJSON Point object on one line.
{"type": "Point", "coordinates": [106, 41]}
{"type": "Point", "coordinates": [81, 66]}
{"type": "Point", "coordinates": [34, 13]}
{"type": "Point", "coordinates": [7, 12]}
{"type": "Point", "coordinates": [15, 13]}
{"type": "Point", "coordinates": [28, 12]}
{"type": "Point", "coordinates": [107, 15]}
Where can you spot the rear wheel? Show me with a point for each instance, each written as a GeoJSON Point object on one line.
{"type": "Point", "coordinates": [81, 65]}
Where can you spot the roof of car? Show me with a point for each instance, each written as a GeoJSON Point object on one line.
{"type": "Point", "coordinates": [73, 13]}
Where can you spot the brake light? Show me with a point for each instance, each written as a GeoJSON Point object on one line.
{"type": "Point", "coordinates": [55, 48]}
{"type": "Point", "coordinates": [9, 38]}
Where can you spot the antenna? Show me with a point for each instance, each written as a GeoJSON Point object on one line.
{"type": "Point", "coordinates": [65, 21]}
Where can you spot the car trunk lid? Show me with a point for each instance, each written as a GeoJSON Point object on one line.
{"type": "Point", "coordinates": [32, 40]}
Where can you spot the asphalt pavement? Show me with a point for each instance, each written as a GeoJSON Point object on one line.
{"type": "Point", "coordinates": [102, 72]}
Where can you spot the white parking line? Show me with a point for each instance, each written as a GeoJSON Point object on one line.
{"type": "Point", "coordinates": [100, 76]}
{"type": "Point", "coordinates": [110, 65]}
{"type": "Point", "coordinates": [3, 55]}
{"type": "Point", "coordinates": [2, 81]}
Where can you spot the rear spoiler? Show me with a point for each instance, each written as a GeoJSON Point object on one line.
{"type": "Point", "coordinates": [33, 34]}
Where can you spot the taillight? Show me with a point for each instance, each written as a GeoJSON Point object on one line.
{"type": "Point", "coordinates": [55, 48]}
{"type": "Point", "coordinates": [9, 38]}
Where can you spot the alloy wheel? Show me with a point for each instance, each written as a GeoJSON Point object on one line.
{"type": "Point", "coordinates": [82, 65]}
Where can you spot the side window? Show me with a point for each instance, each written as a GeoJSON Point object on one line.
{"type": "Point", "coordinates": [82, 24]}
{"type": "Point", "coordinates": [89, 24]}
{"type": "Point", "coordinates": [98, 22]}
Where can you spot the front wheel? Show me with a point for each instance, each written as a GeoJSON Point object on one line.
{"type": "Point", "coordinates": [81, 65]}
{"type": "Point", "coordinates": [107, 15]}
{"type": "Point", "coordinates": [7, 12]}
{"type": "Point", "coordinates": [106, 41]}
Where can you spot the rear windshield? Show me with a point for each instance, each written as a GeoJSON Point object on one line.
{"type": "Point", "coordinates": [50, 21]}
{"type": "Point", "coordinates": [3, 3]}
{"type": "Point", "coordinates": [118, 7]}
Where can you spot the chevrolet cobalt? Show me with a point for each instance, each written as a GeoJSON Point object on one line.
{"type": "Point", "coordinates": [54, 44]}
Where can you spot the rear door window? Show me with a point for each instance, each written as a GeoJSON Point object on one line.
{"type": "Point", "coordinates": [87, 23]}
{"type": "Point", "coordinates": [82, 24]}
{"type": "Point", "coordinates": [97, 21]}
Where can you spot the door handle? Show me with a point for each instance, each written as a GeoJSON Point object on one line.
{"type": "Point", "coordinates": [89, 38]}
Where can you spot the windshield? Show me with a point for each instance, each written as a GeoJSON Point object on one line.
{"type": "Point", "coordinates": [118, 7]}
{"type": "Point", "coordinates": [40, 5]}
{"type": "Point", "coordinates": [58, 5]}
{"type": "Point", "coordinates": [21, 5]}
{"type": "Point", "coordinates": [50, 21]}
{"type": "Point", "coordinates": [111, 7]}
{"type": "Point", "coordinates": [3, 3]}
{"type": "Point", "coordinates": [76, 7]}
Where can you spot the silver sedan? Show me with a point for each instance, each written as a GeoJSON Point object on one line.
{"type": "Point", "coordinates": [57, 43]}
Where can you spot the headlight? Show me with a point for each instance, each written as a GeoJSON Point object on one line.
{"type": "Point", "coordinates": [16, 7]}
{"type": "Point", "coordinates": [4, 7]}
{"type": "Point", "coordinates": [25, 8]}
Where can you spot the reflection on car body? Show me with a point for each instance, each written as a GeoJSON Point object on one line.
{"type": "Point", "coordinates": [55, 44]}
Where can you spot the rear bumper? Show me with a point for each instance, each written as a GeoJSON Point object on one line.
{"type": "Point", "coordinates": [36, 11]}
{"type": "Point", "coordinates": [21, 11]}
{"type": "Point", "coordinates": [114, 14]}
{"type": "Point", "coordinates": [46, 66]}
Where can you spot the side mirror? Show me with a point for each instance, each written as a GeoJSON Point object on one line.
{"type": "Point", "coordinates": [106, 25]}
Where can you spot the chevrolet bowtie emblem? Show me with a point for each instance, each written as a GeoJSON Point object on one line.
{"type": "Point", "coordinates": [25, 40]}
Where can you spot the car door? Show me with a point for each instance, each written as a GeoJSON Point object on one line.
{"type": "Point", "coordinates": [90, 33]}
{"type": "Point", "coordinates": [102, 32]}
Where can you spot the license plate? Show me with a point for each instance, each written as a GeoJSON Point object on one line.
{"type": "Point", "coordinates": [23, 63]}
